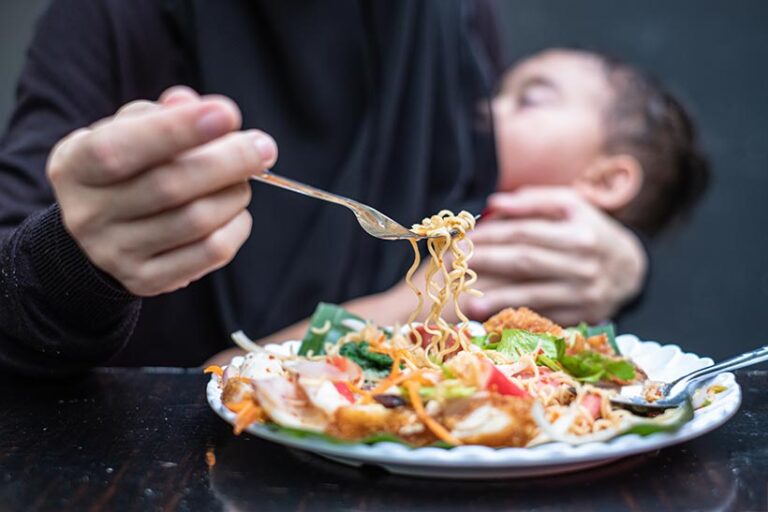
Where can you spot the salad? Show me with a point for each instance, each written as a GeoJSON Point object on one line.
{"type": "Point", "coordinates": [523, 381]}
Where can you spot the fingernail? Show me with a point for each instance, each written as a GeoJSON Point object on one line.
{"type": "Point", "coordinates": [267, 149]}
{"type": "Point", "coordinates": [214, 124]}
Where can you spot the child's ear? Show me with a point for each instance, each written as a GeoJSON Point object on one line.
{"type": "Point", "coordinates": [612, 182]}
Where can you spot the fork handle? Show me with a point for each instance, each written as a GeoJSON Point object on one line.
{"type": "Point", "coordinates": [747, 359]}
{"type": "Point", "coordinates": [302, 188]}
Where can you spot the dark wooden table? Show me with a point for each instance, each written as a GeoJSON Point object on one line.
{"type": "Point", "coordinates": [120, 439]}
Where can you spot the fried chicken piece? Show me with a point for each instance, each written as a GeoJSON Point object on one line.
{"type": "Point", "coordinates": [521, 318]}
{"type": "Point", "coordinates": [597, 343]}
{"type": "Point", "coordinates": [236, 390]}
{"type": "Point", "coordinates": [357, 422]}
{"type": "Point", "coordinates": [491, 420]}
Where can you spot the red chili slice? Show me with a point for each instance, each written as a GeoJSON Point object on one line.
{"type": "Point", "coordinates": [344, 391]}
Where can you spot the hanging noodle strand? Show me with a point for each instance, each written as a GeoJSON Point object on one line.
{"type": "Point", "coordinates": [447, 277]}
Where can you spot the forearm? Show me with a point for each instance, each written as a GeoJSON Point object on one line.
{"type": "Point", "coordinates": [59, 314]}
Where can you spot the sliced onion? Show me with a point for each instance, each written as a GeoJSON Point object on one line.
{"type": "Point", "coordinates": [245, 343]}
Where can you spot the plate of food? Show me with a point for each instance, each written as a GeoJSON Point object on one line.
{"type": "Point", "coordinates": [515, 396]}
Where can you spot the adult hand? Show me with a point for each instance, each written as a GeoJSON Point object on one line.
{"type": "Point", "coordinates": [156, 196]}
{"type": "Point", "coordinates": [549, 249]}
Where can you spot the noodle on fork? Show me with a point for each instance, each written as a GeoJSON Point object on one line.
{"type": "Point", "coordinates": [456, 280]}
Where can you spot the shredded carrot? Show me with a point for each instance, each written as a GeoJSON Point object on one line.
{"type": "Point", "coordinates": [238, 406]}
{"type": "Point", "coordinates": [247, 415]}
{"type": "Point", "coordinates": [214, 368]}
{"type": "Point", "coordinates": [440, 431]}
{"type": "Point", "coordinates": [367, 398]}
{"type": "Point", "coordinates": [398, 379]}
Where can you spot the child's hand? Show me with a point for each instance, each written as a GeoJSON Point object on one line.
{"type": "Point", "coordinates": [549, 249]}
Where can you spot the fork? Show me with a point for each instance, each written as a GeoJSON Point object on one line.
{"type": "Point", "coordinates": [372, 221]}
{"type": "Point", "coordinates": [675, 393]}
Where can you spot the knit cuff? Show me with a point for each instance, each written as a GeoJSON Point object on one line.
{"type": "Point", "coordinates": [63, 270]}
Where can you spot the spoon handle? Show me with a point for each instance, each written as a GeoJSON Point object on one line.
{"type": "Point", "coordinates": [747, 359]}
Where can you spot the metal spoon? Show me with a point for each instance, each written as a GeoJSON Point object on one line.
{"type": "Point", "coordinates": [675, 393]}
{"type": "Point", "coordinates": [371, 220]}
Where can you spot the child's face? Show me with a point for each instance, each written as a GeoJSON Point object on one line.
{"type": "Point", "coordinates": [549, 119]}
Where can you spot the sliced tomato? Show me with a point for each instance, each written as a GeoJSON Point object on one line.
{"type": "Point", "coordinates": [344, 391]}
{"type": "Point", "coordinates": [593, 405]}
{"type": "Point", "coordinates": [499, 383]}
{"type": "Point", "coordinates": [426, 337]}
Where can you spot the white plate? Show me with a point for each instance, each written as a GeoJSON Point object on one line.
{"type": "Point", "coordinates": [660, 362]}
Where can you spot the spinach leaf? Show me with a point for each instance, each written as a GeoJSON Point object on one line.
{"type": "Point", "coordinates": [370, 362]}
{"type": "Point", "coordinates": [326, 315]}
{"type": "Point", "coordinates": [517, 342]}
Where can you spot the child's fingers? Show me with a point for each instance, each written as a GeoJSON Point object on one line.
{"type": "Point", "coordinates": [559, 235]}
{"type": "Point", "coordinates": [543, 202]}
{"type": "Point", "coordinates": [546, 295]}
{"type": "Point", "coordinates": [528, 262]}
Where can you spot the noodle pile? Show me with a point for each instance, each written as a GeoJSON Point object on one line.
{"type": "Point", "coordinates": [447, 239]}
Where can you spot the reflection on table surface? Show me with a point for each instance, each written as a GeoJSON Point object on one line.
{"type": "Point", "coordinates": [143, 440]}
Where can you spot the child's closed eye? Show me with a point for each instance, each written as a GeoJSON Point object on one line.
{"type": "Point", "coordinates": [537, 92]}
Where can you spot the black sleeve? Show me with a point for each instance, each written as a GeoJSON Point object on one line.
{"type": "Point", "coordinates": [58, 313]}
{"type": "Point", "coordinates": [484, 23]}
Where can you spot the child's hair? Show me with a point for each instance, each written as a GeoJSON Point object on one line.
{"type": "Point", "coordinates": [645, 121]}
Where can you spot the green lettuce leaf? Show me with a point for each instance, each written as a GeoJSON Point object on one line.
{"type": "Point", "coordinates": [589, 366]}
{"type": "Point", "coordinates": [325, 314]}
{"type": "Point", "coordinates": [517, 342]}
{"type": "Point", "coordinates": [484, 342]}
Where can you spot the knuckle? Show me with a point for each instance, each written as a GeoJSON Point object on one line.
{"type": "Point", "coordinates": [591, 270]}
{"type": "Point", "coordinates": [524, 260]}
{"type": "Point", "coordinates": [197, 217]}
{"type": "Point", "coordinates": [217, 249]}
{"type": "Point", "coordinates": [56, 168]}
{"type": "Point", "coordinates": [166, 189]}
{"type": "Point", "coordinates": [104, 155]}
{"type": "Point", "coordinates": [135, 106]}
{"type": "Point", "coordinates": [592, 295]}
{"type": "Point", "coordinates": [168, 129]}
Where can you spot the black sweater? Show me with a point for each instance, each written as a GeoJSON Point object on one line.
{"type": "Point", "coordinates": [374, 100]}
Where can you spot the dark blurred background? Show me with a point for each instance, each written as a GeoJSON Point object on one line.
{"type": "Point", "coordinates": [709, 284]}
